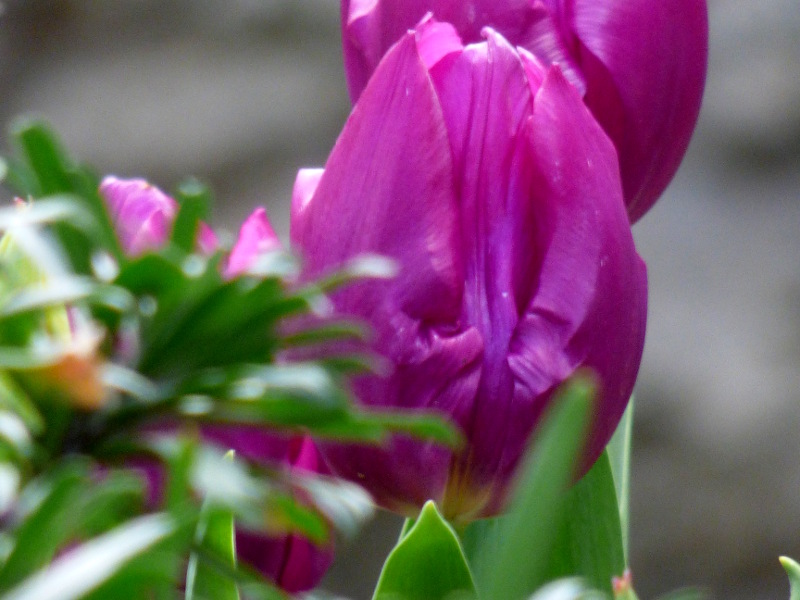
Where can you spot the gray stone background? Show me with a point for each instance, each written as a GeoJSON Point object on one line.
{"type": "Point", "coordinates": [243, 92]}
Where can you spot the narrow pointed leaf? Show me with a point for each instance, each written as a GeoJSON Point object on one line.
{"type": "Point", "coordinates": [45, 530]}
{"type": "Point", "coordinates": [793, 571]}
{"type": "Point", "coordinates": [590, 542]}
{"type": "Point", "coordinates": [88, 566]}
{"type": "Point", "coordinates": [215, 533]}
{"type": "Point", "coordinates": [427, 564]}
{"type": "Point", "coordinates": [514, 563]}
{"type": "Point", "coordinates": [619, 455]}
{"type": "Point", "coordinates": [194, 201]}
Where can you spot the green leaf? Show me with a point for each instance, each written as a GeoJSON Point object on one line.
{"type": "Point", "coordinates": [619, 454]}
{"type": "Point", "coordinates": [513, 562]}
{"type": "Point", "coordinates": [215, 533]}
{"type": "Point", "coordinates": [88, 566]}
{"type": "Point", "coordinates": [427, 564]}
{"type": "Point", "coordinates": [15, 400]}
{"type": "Point", "coordinates": [44, 155]}
{"type": "Point", "coordinates": [194, 199]}
{"type": "Point", "coordinates": [43, 531]}
{"type": "Point", "coordinates": [684, 594]}
{"type": "Point", "coordinates": [105, 504]}
{"type": "Point", "coordinates": [793, 571]}
{"type": "Point", "coordinates": [590, 541]}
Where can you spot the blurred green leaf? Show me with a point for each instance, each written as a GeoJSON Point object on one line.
{"type": "Point", "coordinates": [566, 589]}
{"type": "Point", "coordinates": [590, 541]}
{"type": "Point", "coordinates": [686, 594]}
{"type": "Point", "coordinates": [427, 564]}
{"type": "Point", "coordinates": [117, 497]}
{"type": "Point", "coordinates": [619, 454]}
{"type": "Point", "coordinates": [342, 330]}
{"type": "Point", "coordinates": [194, 200]}
{"type": "Point", "coordinates": [793, 571]}
{"type": "Point", "coordinates": [42, 532]}
{"type": "Point", "coordinates": [216, 534]}
{"type": "Point", "coordinates": [84, 568]}
{"type": "Point", "coordinates": [44, 155]}
{"type": "Point", "coordinates": [254, 500]}
{"type": "Point", "coordinates": [344, 504]}
{"type": "Point", "coordinates": [14, 399]}
{"type": "Point", "coordinates": [513, 569]}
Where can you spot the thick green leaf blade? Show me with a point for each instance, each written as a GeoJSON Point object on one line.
{"type": "Point", "coordinates": [44, 155]}
{"type": "Point", "coordinates": [514, 563]}
{"type": "Point", "coordinates": [194, 199]}
{"type": "Point", "coordinates": [44, 531]}
{"type": "Point", "coordinates": [793, 571]}
{"type": "Point", "coordinates": [427, 564]}
{"type": "Point", "coordinates": [619, 455]}
{"type": "Point", "coordinates": [216, 534]}
{"type": "Point", "coordinates": [590, 541]}
{"type": "Point", "coordinates": [94, 562]}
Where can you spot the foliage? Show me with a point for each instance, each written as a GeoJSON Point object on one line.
{"type": "Point", "coordinates": [111, 365]}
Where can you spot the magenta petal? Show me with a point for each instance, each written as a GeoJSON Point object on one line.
{"type": "Point", "coordinates": [388, 188]}
{"type": "Point", "coordinates": [256, 237]}
{"type": "Point", "coordinates": [142, 213]}
{"type": "Point", "coordinates": [590, 306]}
{"type": "Point", "coordinates": [292, 562]}
{"type": "Point", "coordinates": [655, 55]}
{"type": "Point", "coordinates": [371, 27]}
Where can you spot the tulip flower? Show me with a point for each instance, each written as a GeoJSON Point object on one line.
{"type": "Point", "coordinates": [292, 562]}
{"type": "Point", "coordinates": [483, 175]}
{"type": "Point", "coordinates": [143, 215]}
{"type": "Point", "coordinates": [640, 64]}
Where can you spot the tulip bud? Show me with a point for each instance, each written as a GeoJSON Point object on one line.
{"type": "Point", "coordinates": [256, 237]}
{"type": "Point", "coordinates": [483, 175]}
{"type": "Point", "coordinates": [640, 65]}
{"type": "Point", "coordinates": [294, 563]}
{"type": "Point", "coordinates": [143, 215]}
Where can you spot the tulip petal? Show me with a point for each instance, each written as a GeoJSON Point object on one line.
{"type": "Point", "coordinates": [256, 237]}
{"type": "Point", "coordinates": [388, 189]}
{"type": "Point", "coordinates": [654, 54]}
{"type": "Point", "coordinates": [142, 213]}
{"type": "Point", "coordinates": [590, 306]}
{"type": "Point", "coordinates": [370, 27]}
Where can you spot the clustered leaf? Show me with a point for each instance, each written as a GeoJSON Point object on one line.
{"type": "Point", "coordinates": [110, 361]}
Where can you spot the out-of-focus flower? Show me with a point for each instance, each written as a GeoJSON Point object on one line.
{"type": "Point", "coordinates": [256, 237]}
{"type": "Point", "coordinates": [482, 173]}
{"type": "Point", "coordinates": [291, 561]}
{"type": "Point", "coordinates": [143, 215]}
{"type": "Point", "coordinates": [641, 65]}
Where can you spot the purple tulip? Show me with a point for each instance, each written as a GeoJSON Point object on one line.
{"type": "Point", "coordinates": [143, 215]}
{"type": "Point", "coordinates": [640, 64]}
{"type": "Point", "coordinates": [482, 173]}
{"type": "Point", "coordinates": [294, 563]}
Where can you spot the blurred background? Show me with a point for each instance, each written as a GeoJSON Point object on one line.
{"type": "Point", "coordinates": [241, 93]}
